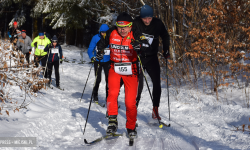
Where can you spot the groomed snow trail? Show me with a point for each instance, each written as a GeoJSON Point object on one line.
{"type": "Point", "coordinates": [57, 118]}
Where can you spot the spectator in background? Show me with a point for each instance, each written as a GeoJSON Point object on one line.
{"type": "Point", "coordinates": [13, 34]}
{"type": "Point", "coordinates": [24, 44]}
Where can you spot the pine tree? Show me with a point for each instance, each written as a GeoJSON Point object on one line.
{"type": "Point", "coordinates": [69, 13]}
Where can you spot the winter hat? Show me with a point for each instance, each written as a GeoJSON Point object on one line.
{"type": "Point", "coordinates": [104, 28]}
{"type": "Point", "coordinates": [124, 20]}
{"type": "Point", "coordinates": [54, 38]}
{"type": "Point", "coordinates": [15, 23]}
{"type": "Point", "coordinates": [146, 11]}
{"type": "Point", "coordinates": [41, 33]}
{"type": "Point", "coordinates": [18, 32]}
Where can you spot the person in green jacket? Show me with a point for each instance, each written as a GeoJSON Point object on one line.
{"type": "Point", "coordinates": [40, 42]}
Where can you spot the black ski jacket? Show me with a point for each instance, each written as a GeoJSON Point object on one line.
{"type": "Point", "coordinates": [153, 31]}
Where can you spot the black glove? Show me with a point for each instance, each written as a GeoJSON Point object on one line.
{"type": "Point", "coordinates": [166, 54]}
{"type": "Point", "coordinates": [100, 54]}
{"type": "Point", "coordinates": [93, 59]}
{"type": "Point", "coordinates": [136, 45]}
{"type": "Point", "coordinates": [35, 44]}
{"type": "Point", "coordinates": [61, 61]}
{"type": "Point", "coordinates": [144, 44]}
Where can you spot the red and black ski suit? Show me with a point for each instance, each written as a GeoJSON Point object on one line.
{"type": "Point", "coordinates": [123, 58]}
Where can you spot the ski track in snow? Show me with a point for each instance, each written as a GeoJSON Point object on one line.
{"type": "Point", "coordinates": [57, 118]}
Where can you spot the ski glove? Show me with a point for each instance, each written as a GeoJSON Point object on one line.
{"type": "Point", "coordinates": [61, 61]}
{"type": "Point", "coordinates": [93, 59]}
{"type": "Point", "coordinates": [136, 45]}
{"type": "Point", "coordinates": [100, 54]}
{"type": "Point", "coordinates": [166, 54]}
{"type": "Point", "coordinates": [35, 44]}
{"type": "Point", "coordinates": [10, 36]}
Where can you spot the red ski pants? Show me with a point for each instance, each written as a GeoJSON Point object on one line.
{"type": "Point", "coordinates": [131, 86]}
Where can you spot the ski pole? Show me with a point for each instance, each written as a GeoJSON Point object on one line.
{"type": "Point", "coordinates": [46, 64]}
{"type": "Point", "coordinates": [91, 98]}
{"type": "Point", "coordinates": [148, 89]}
{"type": "Point", "coordinates": [86, 83]}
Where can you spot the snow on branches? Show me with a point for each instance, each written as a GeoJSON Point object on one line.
{"type": "Point", "coordinates": [18, 81]}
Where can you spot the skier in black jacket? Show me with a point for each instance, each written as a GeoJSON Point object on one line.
{"type": "Point", "coordinates": [152, 28]}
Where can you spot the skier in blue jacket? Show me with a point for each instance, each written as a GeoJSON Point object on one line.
{"type": "Point", "coordinates": [103, 64]}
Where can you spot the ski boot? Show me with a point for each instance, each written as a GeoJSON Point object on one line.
{"type": "Point", "coordinates": [113, 125]}
{"type": "Point", "coordinates": [132, 133]}
{"type": "Point", "coordinates": [58, 86]}
{"type": "Point", "coordinates": [95, 98]}
{"type": "Point", "coordinates": [155, 114]}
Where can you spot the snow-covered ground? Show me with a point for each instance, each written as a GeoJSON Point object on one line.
{"type": "Point", "coordinates": [57, 118]}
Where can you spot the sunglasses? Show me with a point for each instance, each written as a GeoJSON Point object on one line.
{"type": "Point", "coordinates": [127, 25]}
{"type": "Point", "coordinates": [54, 41]}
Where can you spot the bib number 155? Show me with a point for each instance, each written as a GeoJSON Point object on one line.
{"type": "Point", "coordinates": [123, 69]}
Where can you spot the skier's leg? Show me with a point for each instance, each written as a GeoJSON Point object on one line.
{"type": "Point", "coordinates": [140, 88]}
{"type": "Point", "coordinates": [153, 70]}
{"type": "Point", "coordinates": [50, 66]}
{"type": "Point", "coordinates": [56, 66]}
{"type": "Point", "coordinates": [131, 87]}
{"type": "Point", "coordinates": [106, 67]}
{"type": "Point", "coordinates": [98, 73]}
{"type": "Point", "coordinates": [114, 87]}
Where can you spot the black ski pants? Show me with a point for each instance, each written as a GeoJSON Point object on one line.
{"type": "Point", "coordinates": [105, 66]}
{"type": "Point", "coordinates": [56, 66]}
{"type": "Point", "coordinates": [43, 59]}
{"type": "Point", "coordinates": [27, 56]}
{"type": "Point", "coordinates": [152, 66]}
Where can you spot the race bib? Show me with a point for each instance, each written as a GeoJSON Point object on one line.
{"type": "Point", "coordinates": [41, 46]}
{"type": "Point", "coordinates": [150, 38]}
{"type": "Point", "coordinates": [54, 50]}
{"type": "Point", "coordinates": [123, 68]}
{"type": "Point", "coordinates": [106, 51]}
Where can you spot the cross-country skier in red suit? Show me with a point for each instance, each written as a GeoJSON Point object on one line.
{"type": "Point", "coordinates": [124, 45]}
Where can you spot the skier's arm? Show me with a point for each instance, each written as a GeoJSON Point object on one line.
{"type": "Point", "coordinates": [29, 43]}
{"type": "Point", "coordinates": [46, 49]}
{"type": "Point", "coordinates": [104, 41]}
{"type": "Point", "coordinates": [165, 38]}
{"type": "Point", "coordinates": [60, 52]}
{"type": "Point", "coordinates": [140, 40]}
{"type": "Point", "coordinates": [34, 41]}
{"type": "Point", "coordinates": [91, 48]}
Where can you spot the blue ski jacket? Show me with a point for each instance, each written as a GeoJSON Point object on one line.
{"type": "Point", "coordinates": [94, 40]}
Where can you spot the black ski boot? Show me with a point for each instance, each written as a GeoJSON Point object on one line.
{"type": "Point", "coordinates": [95, 98]}
{"type": "Point", "coordinates": [113, 125]}
{"type": "Point", "coordinates": [132, 133]}
{"type": "Point", "coordinates": [58, 86]}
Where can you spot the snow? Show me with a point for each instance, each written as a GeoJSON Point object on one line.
{"type": "Point", "coordinates": [57, 118]}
